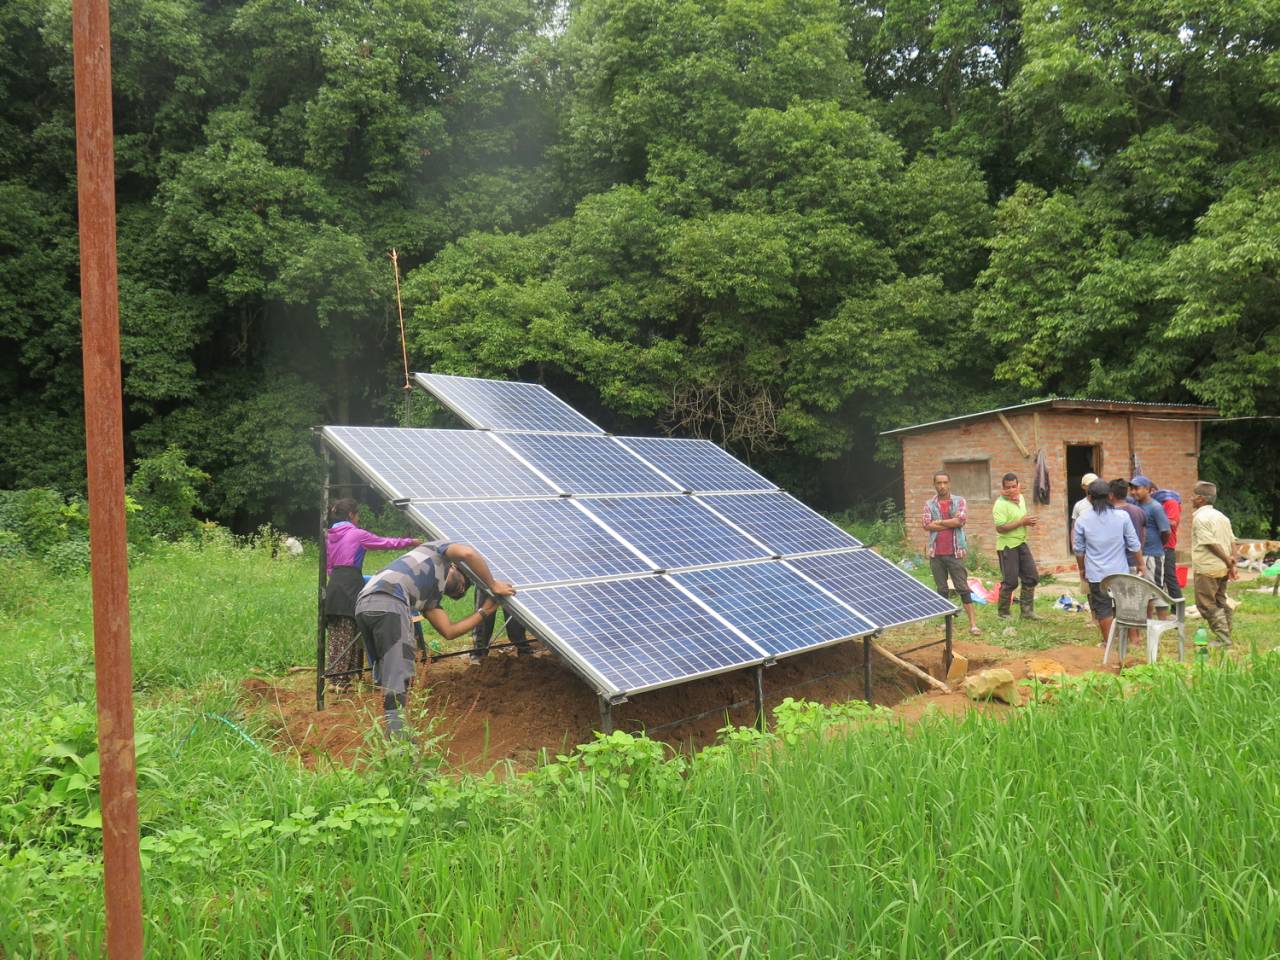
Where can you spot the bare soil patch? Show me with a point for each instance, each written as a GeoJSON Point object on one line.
{"type": "Point", "coordinates": [512, 709]}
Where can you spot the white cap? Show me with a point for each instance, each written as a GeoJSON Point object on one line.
{"type": "Point", "coordinates": [1087, 479]}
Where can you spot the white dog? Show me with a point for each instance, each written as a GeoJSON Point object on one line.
{"type": "Point", "coordinates": [1253, 553]}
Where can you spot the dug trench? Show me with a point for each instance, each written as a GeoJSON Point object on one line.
{"type": "Point", "coordinates": [512, 711]}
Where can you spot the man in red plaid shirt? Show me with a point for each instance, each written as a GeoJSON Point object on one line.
{"type": "Point", "coordinates": [944, 517]}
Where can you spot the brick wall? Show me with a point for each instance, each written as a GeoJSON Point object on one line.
{"type": "Point", "coordinates": [1165, 449]}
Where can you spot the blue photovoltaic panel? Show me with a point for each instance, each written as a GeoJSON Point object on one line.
{"type": "Point", "coordinates": [531, 541]}
{"type": "Point", "coordinates": [412, 464]}
{"type": "Point", "coordinates": [874, 587]}
{"type": "Point", "coordinates": [635, 634]}
{"type": "Point", "coordinates": [586, 465]}
{"type": "Point", "coordinates": [774, 606]}
{"type": "Point", "coordinates": [674, 531]}
{"type": "Point", "coordinates": [697, 464]}
{"type": "Point", "coordinates": [781, 522]}
{"type": "Point", "coordinates": [506, 405]}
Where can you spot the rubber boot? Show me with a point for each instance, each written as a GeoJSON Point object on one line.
{"type": "Point", "coordinates": [1220, 624]}
{"type": "Point", "coordinates": [1027, 604]}
{"type": "Point", "coordinates": [1002, 603]}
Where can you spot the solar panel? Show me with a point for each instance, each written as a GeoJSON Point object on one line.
{"type": "Point", "coordinates": [775, 606]}
{"type": "Point", "coordinates": [416, 464]}
{"type": "Point", "coordinates": [874, 587]}
{"type": "Point", "coordinates": [781, 522]}
{"type": "Point", "coordinates": [505, 405]}
{"type": "Point", "coordinates": [531, 541]}
{"type": "Point", "coordinates": [585, 562]}
{"type": "Point", "coordinates": [674, 531]}
{"type": "Point", "coordinates": [697, 464]}
{"type": "Point", "coordinates": [634, 635]}
{"type": "Point", "coordinates": [586, 465]}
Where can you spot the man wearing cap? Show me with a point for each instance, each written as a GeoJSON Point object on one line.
{"type": "Point", "coordinates": [1120, 500]}
{"type": "Point", "coordinates": [1101, 540]}
{"type": "Point", "coordinates": [1154, 538]}
{"type": "Point", "coordinates": [416, 581]}
{"type": "Point", "coordinates": [1081, 505]}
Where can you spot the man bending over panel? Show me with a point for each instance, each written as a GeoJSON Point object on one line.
{"type": "Point", "coordinates": [416, 581]}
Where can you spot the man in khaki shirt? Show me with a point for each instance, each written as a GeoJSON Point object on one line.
{"type": "Point", "coordinates": [1212, 560]}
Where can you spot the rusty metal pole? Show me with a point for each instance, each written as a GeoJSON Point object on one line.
{"type": "Point", "coordinates": [104, 445]}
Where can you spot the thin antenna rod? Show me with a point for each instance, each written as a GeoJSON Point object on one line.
{"type": "Point", "coordinates": [404, 348]}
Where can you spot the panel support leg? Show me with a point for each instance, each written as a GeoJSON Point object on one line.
{"type": "Point", "coordinates": [946, 654]}
{"type": "Point", "coordinates": [760, 720]}
{"type": "Point", "coordinates": [606, 716]}
{"type": "Point", "coordinates": [323, 551]}
{"type": "Point", "coordinates": [866, 667]}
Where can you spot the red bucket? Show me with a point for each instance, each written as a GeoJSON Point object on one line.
{"type": "Point", "coordinates": [1182, 572]}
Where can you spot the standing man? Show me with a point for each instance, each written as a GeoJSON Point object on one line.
{"type": "Point", "coordinates": [1212, 559]}
{"type": "Point", "coordinates": [1171, 503]}
{"type": "Point", "coordinates": [1155, 538]}
{"type": "Point", "coordinates": [1016, 563]}
{"type": "Point", "coordinates": [416, 581]}
{"type": "Point", "coordinates": [1120, 500]}
{"type": "Point", "coordinates": [1101, 540]}
{"type": "Point", "coordinates": [1081, 505]}
{"type": "Point", "coordinates": [944, 518]}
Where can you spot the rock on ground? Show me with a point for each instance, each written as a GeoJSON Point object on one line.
{"type": "Point", "coordinates": [995, 684]}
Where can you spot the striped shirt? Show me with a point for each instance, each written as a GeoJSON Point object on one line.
{"type": "Point", "coordinates": [417, 578]}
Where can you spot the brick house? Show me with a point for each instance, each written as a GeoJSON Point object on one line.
{"type": "Point", "coordinates": [1109, 438]}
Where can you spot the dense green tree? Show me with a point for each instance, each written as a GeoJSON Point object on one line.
{"type": "Point", "coordinates": [784, 224]}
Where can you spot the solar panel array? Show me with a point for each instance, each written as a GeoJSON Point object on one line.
{"type": "Point", "coordinates": [642, 561]}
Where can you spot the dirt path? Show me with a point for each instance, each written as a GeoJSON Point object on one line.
{"type": "Point", "coordinates": [511, 709]}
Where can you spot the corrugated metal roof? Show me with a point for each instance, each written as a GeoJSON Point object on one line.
{"type": "Point", "coordinates": [1190, 411]}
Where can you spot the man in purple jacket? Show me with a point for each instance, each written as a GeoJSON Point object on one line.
{"type": "Point", "coordinates": [345, 547]}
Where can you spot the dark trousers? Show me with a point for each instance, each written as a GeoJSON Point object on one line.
{"type": "Point", "coordinates": [484, 632]}
{"type": "Point", "coordinates": [1171, 573]}
{"type": "Point", "coordinates": [951, 568]}
{"type": "Point", "coordinates": [1017, 564]}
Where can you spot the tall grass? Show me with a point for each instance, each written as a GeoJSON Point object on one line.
{"type": "Point", "coordinates": [1106, 826]}
{"type": "Point", "coordinates": [199, 611]}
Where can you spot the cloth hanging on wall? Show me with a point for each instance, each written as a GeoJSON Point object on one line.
{"type": "Point", "coordinates": [1041, 494]}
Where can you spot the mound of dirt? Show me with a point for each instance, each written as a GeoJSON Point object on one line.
{"type": "Point", "coordinates": [509, 708]}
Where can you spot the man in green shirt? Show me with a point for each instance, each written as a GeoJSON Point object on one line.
{"type": "Point", "coordinates": [1016, 563]}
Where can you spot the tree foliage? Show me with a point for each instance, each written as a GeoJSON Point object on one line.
{"type": "Point", "coordinates": [783, 224]}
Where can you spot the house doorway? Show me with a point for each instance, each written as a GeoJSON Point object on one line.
{"type": "Point", "coordinates": [1081, 459]}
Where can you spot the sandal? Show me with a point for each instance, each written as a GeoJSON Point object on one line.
{"type": "Point", "coordinates": [975, 632]}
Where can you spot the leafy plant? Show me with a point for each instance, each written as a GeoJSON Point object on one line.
{"type": "Point", "coordinates": [167, 488]}
{"type": "Point", "coordinates": [68, 558]}
{"type": "Point", "coordinates": [618, 759]}
{"type": "Point", "coordinates": [55, 797]}
{"type": "Point", "coordinates": [794, 719]}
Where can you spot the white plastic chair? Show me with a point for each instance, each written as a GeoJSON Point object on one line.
{"type": "Point", "coordinates": [1131, 595]}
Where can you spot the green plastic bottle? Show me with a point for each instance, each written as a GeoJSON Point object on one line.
{"type": "Point", "coordinates": [1202, 645]}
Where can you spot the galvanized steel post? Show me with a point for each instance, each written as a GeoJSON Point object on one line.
{"type": "Point", "coordinates": [104, 447]}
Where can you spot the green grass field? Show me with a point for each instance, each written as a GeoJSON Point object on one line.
{"type": "Point", "coordinates": [1138, 819]}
